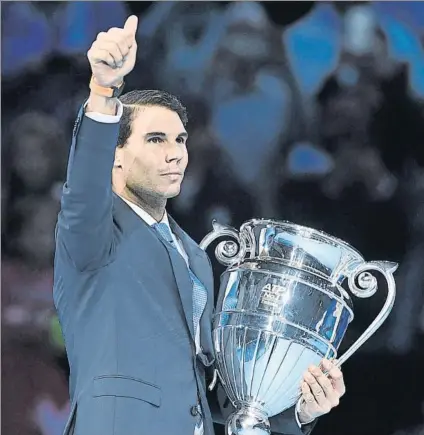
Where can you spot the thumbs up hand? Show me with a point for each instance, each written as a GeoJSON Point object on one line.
{"type": "Point", "coordinates": [113, 53]}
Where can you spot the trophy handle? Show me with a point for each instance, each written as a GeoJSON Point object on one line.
{"type": "Point", "coordinates": [227, 252]}
{"type": "Point", "coordinates": [363, 285]}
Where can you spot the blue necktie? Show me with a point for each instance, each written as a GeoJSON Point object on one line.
{"type": "Point", "coordinates": [200, 295]}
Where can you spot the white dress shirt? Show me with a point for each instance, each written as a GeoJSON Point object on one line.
{"type": "Point", "coordinates": [151, 221]}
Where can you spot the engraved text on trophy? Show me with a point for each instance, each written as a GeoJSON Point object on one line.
{"type": "Point", "coordinates": [273, 297]}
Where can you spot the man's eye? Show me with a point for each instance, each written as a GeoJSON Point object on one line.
{"type": "Point", "coordinates": [155, 140]}
{"type": "Point", "coordinates": [181, 140]}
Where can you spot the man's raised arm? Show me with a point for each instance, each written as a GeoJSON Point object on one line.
{"type": "Point", "coordinates": [85, 228]}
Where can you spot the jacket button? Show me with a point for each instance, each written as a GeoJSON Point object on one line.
{"type": "Point", "coordinates": [194, 411]}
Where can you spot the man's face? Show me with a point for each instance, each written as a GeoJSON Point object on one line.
{"type": "Point", "coordinates": [153, 161]}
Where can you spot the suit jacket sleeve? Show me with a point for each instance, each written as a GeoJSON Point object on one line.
{"type": "Point", "coordinates": [284, 423]}
{"type": "Point", "coordinates": [85, 225]}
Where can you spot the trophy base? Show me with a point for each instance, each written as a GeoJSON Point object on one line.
{"type": "Point", "coordinates": [248, 421]}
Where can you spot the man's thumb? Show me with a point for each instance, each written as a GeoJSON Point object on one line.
{"type": "Point", "coordinates": [131, 25]}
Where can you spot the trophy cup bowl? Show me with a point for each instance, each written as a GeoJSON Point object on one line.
{"type": "Point", "coordinates": [282, 306]}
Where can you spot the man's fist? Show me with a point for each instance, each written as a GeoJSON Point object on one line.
{"type": "Point", "coordinates": [112, 55]}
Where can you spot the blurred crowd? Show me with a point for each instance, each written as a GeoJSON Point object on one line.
{"type": "Point", "coordinates": [311, 112]}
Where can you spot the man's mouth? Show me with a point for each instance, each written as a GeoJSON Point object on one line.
{"type": "Point", "coordinates": [174, 173]}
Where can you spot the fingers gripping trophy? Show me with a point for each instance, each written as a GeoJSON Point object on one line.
{"type": "Point", "coordinates": [283, 305]}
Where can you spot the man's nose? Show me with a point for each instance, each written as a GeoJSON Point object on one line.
{"type": "Point", "coordinates": [174, 151]}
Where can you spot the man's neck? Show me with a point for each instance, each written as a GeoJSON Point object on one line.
{"type": "Point", "coordinates": [155, 207]}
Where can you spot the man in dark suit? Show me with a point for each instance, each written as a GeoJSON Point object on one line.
{"type": "Point", "coordinates": [133, 291]}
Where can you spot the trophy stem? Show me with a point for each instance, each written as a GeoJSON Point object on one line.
{"type": "Point", "coordinates": [248, 420]}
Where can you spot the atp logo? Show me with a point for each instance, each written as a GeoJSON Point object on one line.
{"type": "Point", "coordinates": [274, 296]}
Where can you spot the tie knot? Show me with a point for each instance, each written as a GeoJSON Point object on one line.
{"type": "Point", "coordinates": [164, 231]}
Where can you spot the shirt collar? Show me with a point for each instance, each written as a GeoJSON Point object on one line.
{"type": "Point", "coordinates": [146, 216]}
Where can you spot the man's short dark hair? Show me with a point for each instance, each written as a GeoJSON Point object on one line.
{"type": "Point", "coordinates": [133, 99]}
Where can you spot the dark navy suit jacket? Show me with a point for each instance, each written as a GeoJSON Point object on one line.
{"type": "Point", "coordinates": [124, 299]}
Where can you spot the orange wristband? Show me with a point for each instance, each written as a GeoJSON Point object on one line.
{"type": "Point", "coordinates": [112, 92]}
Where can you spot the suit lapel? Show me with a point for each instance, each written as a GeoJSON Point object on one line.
{"type": "Point", "coordinates": [128, 221]}
{"type": "Point", "coordinates": [198, 261]}
{"type": "Point", "coordinates": [200, 266]}
{"type": "Point", "coordinates": [184, 284]}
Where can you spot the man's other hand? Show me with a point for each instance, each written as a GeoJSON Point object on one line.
{"type": "Point", "coordinates": [320, 393]}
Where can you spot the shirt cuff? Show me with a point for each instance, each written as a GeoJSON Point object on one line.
{"type": "Point", "coordinates": [296, 414]}
{"type": "Point", "coordinates": [106, 119]}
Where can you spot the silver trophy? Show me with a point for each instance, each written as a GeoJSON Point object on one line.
{"type": "Point", "coordinates": [283, 306]}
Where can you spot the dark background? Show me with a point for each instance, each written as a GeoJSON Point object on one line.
{"type": "Point", "coordinates": [303, 111]}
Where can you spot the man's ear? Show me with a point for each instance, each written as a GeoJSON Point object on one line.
{"type": "Point", "coordinates": [118, 179]}
{"type": "Point", "coordinates": [118, 158]}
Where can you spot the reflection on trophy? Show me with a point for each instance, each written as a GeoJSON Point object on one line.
{"type": "Point", "coordinates": [282, 306]}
